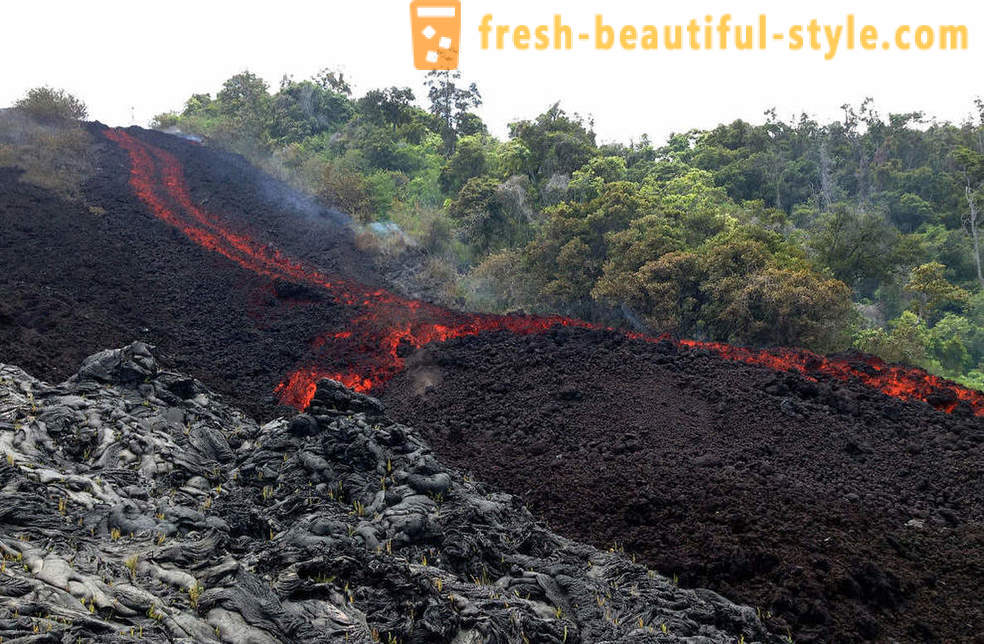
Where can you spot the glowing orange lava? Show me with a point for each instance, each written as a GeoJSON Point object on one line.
{"type": "Point", "coordinates": [388, 326]}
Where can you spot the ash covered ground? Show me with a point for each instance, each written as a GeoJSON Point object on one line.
{"type": "Point", "coordinates": [844, 514]}
{"type": "Point", "coordinates": [77, 277]}
{"type": "Point", "coordinates": [137, 505]}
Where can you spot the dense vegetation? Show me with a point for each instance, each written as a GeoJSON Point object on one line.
{"type": "Point", "coordinates": [860, 232]}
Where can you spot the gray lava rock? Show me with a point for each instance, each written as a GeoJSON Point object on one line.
{"type": "Point", "coordinates": [333, 396]}
{"type": "Point", "coordinates": [132, 363]}
{"type": "Point", "coordinates": [135, 504]}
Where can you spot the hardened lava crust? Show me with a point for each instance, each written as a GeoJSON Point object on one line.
{"type": "Point", "coordinates": [843, 514]}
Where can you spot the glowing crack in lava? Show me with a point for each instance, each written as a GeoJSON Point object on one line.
{"type": "Point", "coordinates": [387, 327]}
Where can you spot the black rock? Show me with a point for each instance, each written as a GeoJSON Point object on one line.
{"type": "Point", "coordinates": [303, 425]}
{"type": "Point", "coordinates": [332, 395]}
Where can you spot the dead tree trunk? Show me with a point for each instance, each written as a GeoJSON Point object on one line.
{"type": "Point", "coordinates": [972, 220]}
{"type": "Point", "coordinates": [826, 181]}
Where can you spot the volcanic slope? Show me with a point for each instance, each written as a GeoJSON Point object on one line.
{"type": "Point", "coordinates": [381, 326]}
{"type": "Point", "coordinates": [79, 277]}
{"type": "Point", "coordinates": [844, 514]}
{"type": "Point", "coordinates": [176, 247]}
{"type": "Point", "coordinates": [225, 259]}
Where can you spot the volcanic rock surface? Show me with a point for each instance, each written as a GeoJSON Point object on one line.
{"type": "Point", "coordinates": [843, 514]}
{"type": "Point", "coordinates": [77, 277]}
{"type": "Point", "coordinates": [136, 505]}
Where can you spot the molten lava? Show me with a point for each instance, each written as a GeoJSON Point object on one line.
{"type": "Point", "coordinates": [387, 326]}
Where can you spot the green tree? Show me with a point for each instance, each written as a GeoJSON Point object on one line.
{"type": "Point", "coordinates": [245, 101]}
{"type": "Point", "coordinates": [391, 107]}
{"type": "Point", "coordinates": [470, 160]}
{"type": "Point", "coordinates": [451, 102]}
{"type": "Point", "coordinates": [906, 341]}
{"type": "Point", "coordinates": [665, 291]}
{"type": "Point", "coordinates": [244, 94]}
{"type": "Point", "coordinates": [952, 342]}
{"type": "Point", "coordinates": [198, 104]}
{"type": "Point", "coordinates": [792, 308]}
{"type": "Point", "coordinates": [348, 192]}
{"type": "Point", "coordinates": [52, 106]}
{"type": "Point", "coordinates": [485, 218]}
{"type": "Point", "coordinates": [932, 292]}
{"type": "Point", "coordinates": [332, 80]}
{"type": "Point", "coordinates": [556, 143]}
{"type": "Point", "coordinates": [587, 182]}
{"type": "Point", "coordinates": [857, 246]}
{"type": "Point", "coordinates": [970, 165]}
{"type": "Point", "coordinates": [304, 110]}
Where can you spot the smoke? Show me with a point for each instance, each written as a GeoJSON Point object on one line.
{"type": "Point", "coordinates": [634, 320]}
{"type": "Point", "coordinates": [16, 128]}
{"type": "Point", "coordinates": [424, 378]}
{"type": "Point", "coordinates": [280, 194]}
{"type": "Point", "coordinates": [386, 327]}
{"type": "Point", "coordinates": [53, 156]}
{"type": "Point", "coordinates": [175, 131]}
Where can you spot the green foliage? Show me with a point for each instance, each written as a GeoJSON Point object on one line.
{"type": "Point", "coordinates": [499, 283]}
{"type": "Point", "coordinates": [165, 120]}
{"type": "Point", "coordinates": [470, 160]}
{"type": "Point", "coordinates": [245, 101]}
{"type": "Point", "coordinates": [390, 107]}
{"type": "Point", "coordinates": [587, 182]}
{"type": "Point", "coordinates": [452, 103]}
{"type": "Point", "coordinates": [304, 110]}
{"type": "Point", "coordinates": [49, 106]}
{"type": "Point", "coordinates": [489, 214]}
{"type": "Point", "coordinates": [667, 291]}
{"type": "Point", "coordinates": [347, 191]}
{"type": "Point", "coordinates": [932, 291]}
{"type": "Point", "coordinates": [334, 80]}
{"type": "Point", "coordinates": [555, 143]}
{"type": "Point", "coordinates": [853, 245]}
{"type": "Point", "coordinates": [783, 307]}
{"type": "Point", "coordinates": [905, 340]}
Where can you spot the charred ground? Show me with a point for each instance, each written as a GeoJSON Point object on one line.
{"type": "Point", "coordinates": [845, 514]}
{"type": "Point", "coordinates": [79, 277]}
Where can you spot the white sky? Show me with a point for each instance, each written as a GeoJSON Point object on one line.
{"type": "Point", "coordinates": [150, 56]}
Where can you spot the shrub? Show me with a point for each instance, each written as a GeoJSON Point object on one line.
{"type": "Point", "coordinates": [499, 283]}
{"type": "Point", "coordinates": [165, 120]}
{"type": "Point", "coordinates": [348, 192]}
{"type": "Point", "coordinates": [52, 106]}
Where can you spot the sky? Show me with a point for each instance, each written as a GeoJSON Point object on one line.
{"type": "Point", "coordinates": [131, 60]}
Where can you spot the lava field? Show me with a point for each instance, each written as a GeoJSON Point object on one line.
{"type": "Point", "coordinates": [841, 495]}
{"type": "Point", "coordinates": [843, 513]}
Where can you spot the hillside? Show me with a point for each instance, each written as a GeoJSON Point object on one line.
{"type": "Point", "coordinates": [840, 495]}
{"type": "Point", "coordinates": [845, 514]}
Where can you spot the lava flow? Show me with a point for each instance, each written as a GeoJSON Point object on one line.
{"type": "Point", "coordinates": [386, 327]}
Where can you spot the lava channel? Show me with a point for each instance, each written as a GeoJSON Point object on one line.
{"type": "Point", "coordinates": [389, 326]}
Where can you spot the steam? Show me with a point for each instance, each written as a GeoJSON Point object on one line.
{"type": "Point", "coordinates": [175, 131]}
{"type": "Point", "coordinates": [634, 320]}
{"type": "Point", "coordinates": [424, 378]}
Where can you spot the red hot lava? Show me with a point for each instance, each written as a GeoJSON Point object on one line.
{"type": "Point", "coordinates": [387, 326]}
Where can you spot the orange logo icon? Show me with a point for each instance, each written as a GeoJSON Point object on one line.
{"type": "Point", "coordinates": [436, 26]}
